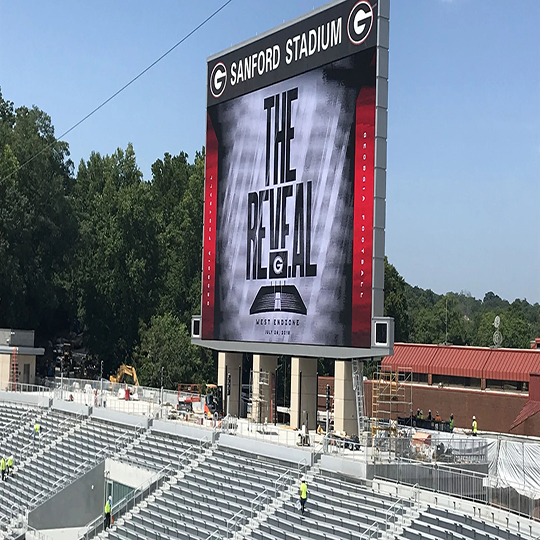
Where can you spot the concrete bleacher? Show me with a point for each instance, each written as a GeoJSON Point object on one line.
{"type": "Point", "coordinates": [436, 523]}
{"type": "Point", "coordinates": [200, 502]}
{"type": "Point", "coordinates": [155, 450]}
{"type": "Point", "coordinates": [337, 508]}
{"type": "Point", "coordinates": [65, 446]}
{"type": "Point", "coordinates": [207, 484]}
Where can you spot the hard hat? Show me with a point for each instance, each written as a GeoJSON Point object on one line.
{"type": "Point", "coordinates": [474, 417]}
{"type": "Point", "coordinates": [110, 497]}
{"type": "Point", "coordinates": [421, 412]}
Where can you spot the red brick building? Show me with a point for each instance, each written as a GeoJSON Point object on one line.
{"type": "Point", "coordinates": [492, 384]}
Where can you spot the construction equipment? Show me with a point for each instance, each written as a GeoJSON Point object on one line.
{"type": "Point", "coordinates": [188, 394]}
{"type": "Point", "coordinates": [125, 370]}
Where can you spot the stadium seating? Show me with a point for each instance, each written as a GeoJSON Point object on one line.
{"type": "Point", "coordinates": [220, 483]}
{"type": "Point", "coordinates": [442, 523]}
{"type": "Point", "coordinates": [60, 456]}
{"type": "Point", "coordinates": [155, 450]}
{"type": "Point", "coordinates": [202, 501]}
{"type": "Point", "coordinates": [337, 508]}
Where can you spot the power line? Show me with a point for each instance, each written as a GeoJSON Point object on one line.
{"type": "Point", "coordinates": [200, 25]}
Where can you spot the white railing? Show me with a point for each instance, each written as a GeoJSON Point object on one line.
{"type": "Point", "coordinates": [259, 502]}
{"type": "Point", "coordinates": [43, 439]}
{"type": "Point", "coordinates": [25, 388]}
{"type": "Point", "coordinates": [284, 480]}
{"type": "Point", "coordinates": [216, 535]}
{"type": "Point", "coordinates": [234, 524]}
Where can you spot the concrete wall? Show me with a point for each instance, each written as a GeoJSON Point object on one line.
{"type": "Point", "coordinates": [74, 506]}
{"type": "Point", "coordinates": [27, 398]}
{"type": "Point", "coordinates": [286, 453]}
{"type": "Point", "coordinates": [4, 369]}
{"type": "Point", "coordinates": [341, 465]}
{"type": "Point", "coordinates": [188, 432]}
{"type": "Point", "coordinates": [495, 411]}
{"type": "Point", "coordinates": [120, 417]}
{"type": "Point", "coordinates": [71, 407]}
{"type": "Point", "coordinates": [128, 475]}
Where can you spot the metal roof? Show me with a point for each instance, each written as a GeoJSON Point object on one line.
{"type": "Point", "coordinates": [529, 409]}
{"type": "Point", "coordinates": [512, 364]}
{"type": "Point", "coordinates": [410, 355]}
{"type": "Point", "coordinates": [460, 361]}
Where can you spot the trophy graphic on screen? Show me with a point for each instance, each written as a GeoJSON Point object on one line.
{"type": "Point", "coordinates": [278, 297]}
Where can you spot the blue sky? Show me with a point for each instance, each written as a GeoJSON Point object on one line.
{"type": "Point", "coordinates": [464, 113]}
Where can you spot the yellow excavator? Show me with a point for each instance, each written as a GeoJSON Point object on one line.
{"type": "Point", "coordinates": [125, 370]}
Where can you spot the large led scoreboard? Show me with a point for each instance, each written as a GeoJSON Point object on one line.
{"type": "Point", "coordinates": [294, 213]}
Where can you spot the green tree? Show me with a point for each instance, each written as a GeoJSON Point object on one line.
{"type": "Point", "coordinates": [117, 274]}
{"type": "Point", "coordinates": [37, 226]}
{"type": "Point", "coordinates": [166, 343]}
{"type": "Point", "coordinates": [395, 301]}
{"type": "Point", "coordinates": [515, 329]}
{"type": "Point", "coordinates": [178, 197]}
{"type": "Point", "coordinates": [444, 319]}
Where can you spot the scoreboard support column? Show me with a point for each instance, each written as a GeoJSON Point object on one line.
{"type": "Point", "coordinates": [303, 392]}
{"type": "Point", "coordinates": [230, 363]}
{"type": "Point", "coordinates": [262, 386]}
{"type": "Point", "coordinates": [344, 398]}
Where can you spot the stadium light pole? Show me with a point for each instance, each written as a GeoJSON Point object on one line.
{"type": "Point", "coordinates": [62, 376]}
{"type": "Point", "coordinates": [101, 383]}
{"type": "Point", "coordinates": [161, 395]}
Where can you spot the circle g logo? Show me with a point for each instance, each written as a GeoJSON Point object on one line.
{"type": "Point", "coordinates": [360, 22]}
{"type": "Point", "coordinates": [218, 79]}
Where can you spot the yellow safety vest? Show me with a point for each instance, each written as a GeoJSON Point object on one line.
{"type": "Point", "coordinates": [452, 424]}
{"type": "Point", "coordinates": [10, 462]}
{"type": "Point", "coordinates": [303, 490]}
{"type": "Point", "coordinates": [107, 508]}
{"type": "Point", "coordinates": [3, 464]}
{"type": "Point", "coordinates": [36, 428]}
{"type": "Point", "coordinates": [474, 427]}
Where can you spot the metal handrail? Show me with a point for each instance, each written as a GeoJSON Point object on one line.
{"type": "Point", "coordinates": [233, 522]}
{"type": "Point", "coordinates": [17, 421]}
{"type": "Point", "coordinates": [258, 502]}
{"type": "Point", "coordinates": [282, 480]}
{"type": "Point", "coordinates": [376, 529]}
{"type": "Point", "coordinates": [53, 434]}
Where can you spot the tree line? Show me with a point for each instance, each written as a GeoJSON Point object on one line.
{"type": "Point", "coordinates": [97, 252]}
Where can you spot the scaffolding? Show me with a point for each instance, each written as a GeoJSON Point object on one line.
{"type": "Point", "coordinates": [391, 398]}
{"type": "Point", "coordinates": [259, 399]}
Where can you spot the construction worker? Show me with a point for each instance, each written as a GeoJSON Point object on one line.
{"type": "Point", "coordinates": [418, 414]}
{"type": "Point", "coordinates": [3, 467]}
{"type": "Point", "coordinates": [108, 508]}
{"type": "Point", "coordinates": [10, 465]}
{"type": "Point", "coordinates": [37, 429]}
{"type": "Point", "coordinates": [474, 426]}
{"type": "Point", "coordinates": [438, 417]}
{"type": "Point", "coordinates": [429, 417]}
{"type": "Point", "coordinates": [303, 495]}
{"type": "Point", "coordinates": [421, 414]}
{"type": "Point", "coordinates": [452, 423]}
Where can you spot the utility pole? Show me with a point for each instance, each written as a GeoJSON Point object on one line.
{"type": "Point", "coordinates": [101, 383]}
{"type": "Point", "coordinates": [62, 376]}
{"type": "Point", "coordinates": [161, 397]}
{"type": "Point", "coordinates": [327, 408]}
{"type": "Point", "coordinates": [446, 340]}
